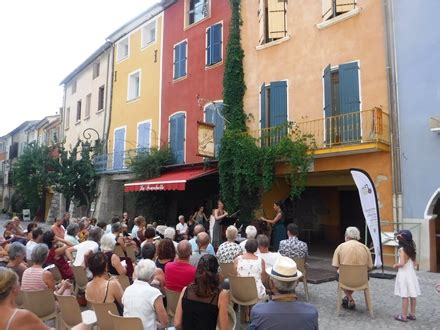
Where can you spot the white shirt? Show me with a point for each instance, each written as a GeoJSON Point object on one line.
{"type": "Point", "coordinates": [134, 231]}
{"type": "Point", "coordinates": [138, 301]}
{"type": "Point", "coordinates": [29, 247]}
{"type": "Point", "coordinates": [81, 250]}
{"type": "Point", "coordinates": [269, 258]}
{"type": "Point", "coordinates": [182, 228]}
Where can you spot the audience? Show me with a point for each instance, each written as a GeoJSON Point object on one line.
{"type": "Point", "coordinates": [170, 233]}
{"type": "Point", "coordinates": [139, 225]}
{"type": "Point", "coordinates": [198, 229]}
{"type": "Point", "coordinates": [182, 227]}
{"type": "Point", "coordinates": [202, 244]}
{"type": "Point", "coordinates": [66, 219]}
{"type": "Point", "coordinates": [283, 311]}
{"type": "Point", "coordinates": [102, 289]}
{"type": "Point", "coordinates": [165, 253]}
{"type": "Point", "coordinates": [114, 265]}
{"type": "Point", "coordinates": [292, 247]}
{"type": "Point", "coordinates": [37, 235]}
{"type": "Point", "coordinates": [148, 251]}
{"type": "Point", "coordinates": [108, 228]}
{"type": "Point", "coordinates": [249, 264]}
{"type": "Point", "coordinates": [30, 227]}
{"type": "Point", "coordinates": [144, 301]}
{"type": "Point", "coordinates": [251, 232]}
{"type": "Point", "coordinates": [17, 254]}
{"type": "Point", "coordinates": [180, 273]}
{"type": "Point", "coordinates": [263, 247]}
{"type": "Point", "coordinates": [149, 235]}
{"type": "Point", "coordinates": [203, 302]}
{"type": "Point", "coordinates": [85, 248]}
{"type": "Point", "coordinates": [72, 233]}
{"type": "Point", "coordinates": [58, 229]}
{"type": "Point", "coordinates": [229, 250]}
{"type": "Point", "coordinates": [37, 278]}
{"type": "Point", "coordinates": [57, 255]}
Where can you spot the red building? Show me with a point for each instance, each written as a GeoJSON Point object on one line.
{"type": "Point", "coordinates": [194, 49]}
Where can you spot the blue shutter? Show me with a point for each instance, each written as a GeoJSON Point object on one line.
{"type": "Point", "coordinates": [144, 137]}
{"type": "Point", "coordinates": [278, 110]}
{"type": "Point", "coordinates": [173, 136]}
{"type": "Point", "coordinates": [212, 116]}
{"type": "Point", "coordinates": [119, 148]}
{"type": "Point", "coordinates": [177, 136]}
{"type": "Point", "coordinates": [328, 102]}
{"type": "Point", "coordinates": [208, 46]}
{"type": "Point", "coordinates": [176, 59]}
{"type": "Point", "coordinates": [263, 114]}
{"type": "Point", "coordinates": [216, 35]}
{"type": "Point", "coordinates": [349, 102]}
{"type": "Point", "coordinates": [183, 59]}
{"type": "Point", "coordinates": [180, 60]}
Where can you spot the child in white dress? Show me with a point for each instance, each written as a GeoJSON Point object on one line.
{"type": "Point", "coordinates": [407, 284]}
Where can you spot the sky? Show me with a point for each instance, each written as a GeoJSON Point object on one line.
{"type": "Point", "coordinates": [42, 42]}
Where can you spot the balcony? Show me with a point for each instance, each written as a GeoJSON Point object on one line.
{"type": "Point", "coordinates": [115, 162]}
{"type": "Point", "coordinates": [351, 133]}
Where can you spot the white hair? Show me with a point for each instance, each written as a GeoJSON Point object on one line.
{"type": "Point", "coordinates": [352, 233]}
{"type": "Point", "coordinates": [231, 233]}
{"type": "Point", "coordinates": [251, 231]}
{"type": "Point", "coordinates": [145, 270]}
{"type": "Point", "coordinates": [181, 217]}
{"type": "Point", "coordinates": [170, 233]}
{"type": "Point", "coordinates": [108, 242]}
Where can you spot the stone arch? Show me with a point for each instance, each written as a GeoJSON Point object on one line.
{"type": "Point", "coordinates": [432, 210]}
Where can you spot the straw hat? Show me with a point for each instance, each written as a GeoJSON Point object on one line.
{"type": "Point", "coordinates": [284, 269]}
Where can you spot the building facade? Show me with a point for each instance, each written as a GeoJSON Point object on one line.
{"type": "Point", "coordinates": [322, 65]}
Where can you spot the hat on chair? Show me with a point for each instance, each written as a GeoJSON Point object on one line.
{"type": "Point", "coordinates": [284, 269]}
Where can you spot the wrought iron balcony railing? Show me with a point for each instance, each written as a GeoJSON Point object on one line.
{"type": "Point", "coordinates": [117, 161]}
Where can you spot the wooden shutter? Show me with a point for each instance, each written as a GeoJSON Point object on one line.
{"type": "Point", "coordinates": [144, 136]}
{"type": "Point", "coordinates": [277, 18]}
{"type": "Point", "coordinates": [328, 103]}
{"type": "Point", "coordinates": [350, 102]}
{"type": "Point", "coordinates": [208, 46]}
{"type": "Point", "coordinates": [216, 33]}
{"type": "Point", "coordinates": [263, 107]}
{"type": "Point", "coordinates": [262, 21]}
{"type": "Point", "coordinates": [342, 6]}
{"type": "Point", "coordinates": [327, 9]}
{"type": "Point", "coordinates": [212, 116]}
{"type": "Point", "coordinates": [183, 58]}
{"type": "Point", "coordinates": [118, 149]}
{"type": "Point", "coordinates": [180, 137]}
{"type": "Point", "coordinates": [278, 103]}
{"type": "Point", "coordinates": [176, 61]}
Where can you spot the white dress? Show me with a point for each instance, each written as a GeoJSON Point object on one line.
{"type": "Point", "coordinates": [407, 284]}
{"type": "Point", "coordinates": [249, 267]}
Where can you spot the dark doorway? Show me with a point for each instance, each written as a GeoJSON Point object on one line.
{"type": "Point", "coordinates": [351, 212]}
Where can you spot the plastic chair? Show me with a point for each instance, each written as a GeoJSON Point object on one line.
{"type": "Point", "coordinates": [227, 269]}
{"type": "Point", "coordinates": [232, 318]}
{"type": "Point", "coordinates": [56, 274]}
{"type": "Point", "coordinates": [243, 290]}
{"type": "Point", "coordinates": [42, 304]}
{"type": "Point", "coordinates": [80, 278]}
{"type": "Point", "coordinates": [301, 265]}
{"type": "Point", "coordinates": [125, 323]}
{"type": "Point", "coordinates": [104, 321]}
{"type": "Point", "coordinates": [123, 280]}
{"type": "Point", "coordinates": [354, 278]}
{"type": "Point", "coordinates": [19, 299]}
{"type": "Point", "coordinates": [172, 300]}
{"type": "Point", "coordinates": [71, 314]}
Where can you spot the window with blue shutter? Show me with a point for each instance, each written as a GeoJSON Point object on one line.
{"type": "Point", "coordinates": [180, 58]}
{"type": "Point", "coordinates": [214, 43]}
{"type": "Point", "coordinates": [213, 116]}
{"type": "Point", "coordinates": [273, 112]}
{"type": "Point", "coordinates": [118, 149]}
{"type": "Point", "coordinates": [177, 137]}
{"type": "Point", "coordinates": [144, 130]}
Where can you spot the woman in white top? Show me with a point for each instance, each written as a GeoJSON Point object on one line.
{"type": "Point", "coordinates": [249, 264]}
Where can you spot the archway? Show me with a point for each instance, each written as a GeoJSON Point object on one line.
{"type": "Point", "coordinates": [432, 214]}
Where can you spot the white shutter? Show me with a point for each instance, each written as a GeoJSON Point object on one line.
{"type": "Point", "coordinates": [342, 6]}
{"type": "Point", "coordinates": [327, 9]}
{"type": "Point", "coordinates": [277, 18]}
{"type": "Point", "coordinates": [262, 21]}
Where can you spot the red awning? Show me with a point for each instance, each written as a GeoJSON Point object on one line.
{"type": "Point", "coordinates": [169, 181]}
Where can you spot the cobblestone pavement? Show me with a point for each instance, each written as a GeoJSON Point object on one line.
{"type": "Point", "coordinates": [385, 306]}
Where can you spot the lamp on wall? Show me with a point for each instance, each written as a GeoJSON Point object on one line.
{"type": "Point", "coordinates": [434, 124]}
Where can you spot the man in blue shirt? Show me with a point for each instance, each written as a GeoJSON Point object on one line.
{"type": "Point", "coordinates": [199, 229]}
{"type": "Point", "coordinates": [283, 311]}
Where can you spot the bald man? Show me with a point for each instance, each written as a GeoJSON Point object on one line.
{"type": "Point", "coordinates": [202, 245]}
{"type": "Point", "coordinates": [180, 273]}
{"type": "Point", "coordinates": [197, 230]}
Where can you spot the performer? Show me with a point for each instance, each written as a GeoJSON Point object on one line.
{"type": "Point", "coordinates": [218, 214]}
{"type": "Point", "coordinates": [278, 228]}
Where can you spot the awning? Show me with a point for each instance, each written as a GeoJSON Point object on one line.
{"type": "Point", "coordinates": [175, 180]}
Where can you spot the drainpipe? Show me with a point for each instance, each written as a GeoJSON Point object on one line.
{"type": "Point", "coordinates": [108, 102]}
{"type": "Point", "coordinates": [393, 103]}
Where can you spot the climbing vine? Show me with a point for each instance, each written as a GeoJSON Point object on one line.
{"type": "Point", "coordinates": [147, 165]}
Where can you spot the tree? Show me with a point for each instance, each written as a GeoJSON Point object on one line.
{"type": "Point", "coordinates": [34, 175]}
{"type": "Point", "coordinates": [146, 165]}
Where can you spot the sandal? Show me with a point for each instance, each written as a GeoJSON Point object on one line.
{"type": "Point", "coordinates": [345, 302]}
{"type": "Point", "coordinates": [411, 317]}
{"type": "Point", "coordinates": [351, 305]}
{"type": "Point", "coordinates": [400, 318]}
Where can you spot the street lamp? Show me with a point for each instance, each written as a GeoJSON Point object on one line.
{"type": "Point", "coordinates": [87, 135]}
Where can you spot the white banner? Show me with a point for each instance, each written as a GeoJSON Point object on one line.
{"type": "Point", "coordinates": [367, 195]}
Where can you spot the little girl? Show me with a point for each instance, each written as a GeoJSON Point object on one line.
{"type": "Point", "coordinates": [407, 285]}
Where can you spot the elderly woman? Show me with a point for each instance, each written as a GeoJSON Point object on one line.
{"type": "Point", "coordinates": [229, 250]}
{"type": "Point", "coordinates": [165, 253]}
{"type": "Point", "coordinates": [57, 255]}
{"type": "Point", "coordinates": [103, 289]}
{"type": "Point", "coordinates": [202, 303]}
{"type": "Point", "coordinates": [148, 251]}
{"type": "Point", "coordinates": [36, 278]}
{"type": "Point", "coordinates": [17, 254]}
{"type": "Point", "coordinates": [72, 233]}
{"type": "Point", "coordinates": [144, 301]}
{"type": "Point", "coordinates": [114, 265]}
{"type": "Point", "coordinates": [30, 228]}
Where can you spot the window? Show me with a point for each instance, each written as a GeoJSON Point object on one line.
{"type": "Point", "coordinates": [180, 60]}
{"type": "Point", "coordinates": [143, 136]}
{"type": "Point", "coordinates": [78, 111]}
{"type": "Point", "coordinates": [197, 10]}
{"type": "Point", "coordinates": [73, 87]}
{"type": "Point", "coordinates": [273, 112]}
{"type": "Point", "coordinates": [67, 119]}
{"type": "Point", "coordinates": [119, 149]}
{"type": "Point", "coordinates": [149, 33]}
{"type": "Point", "coordinates": [214, 42]}
{"type": "Point", "coordinates": [342, 103]}
{"type": "Point", "coordinates": [122, 49]}
{"type": "Point", "coordinates": [88, 101]}
{"type": "Point", "coordinates": [272, 20]}
{"type": "Point", "coordinates": [333, 8]}
{"type": "Point", "coordinates": [177, 137]}
{"type": "Point", "coordinates": [213, 114]}
{"type": "Point", "coordinates": [96, 68]}
{"type": "Point", "coordinates": [134, 84]}
{"type": "Point", "coordinates": [101, 97]}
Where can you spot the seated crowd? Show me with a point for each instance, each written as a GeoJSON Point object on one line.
{"type": "Point", "coordinates": [157, 261]}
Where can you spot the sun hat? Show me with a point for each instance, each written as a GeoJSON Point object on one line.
{"type": "Point", "coordinates": [284, 269]}
{"type": "Point", "coordinates": [406, 235]}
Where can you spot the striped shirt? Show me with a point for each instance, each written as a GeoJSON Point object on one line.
{"type": "Point", "coordinates": [33, 279]}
